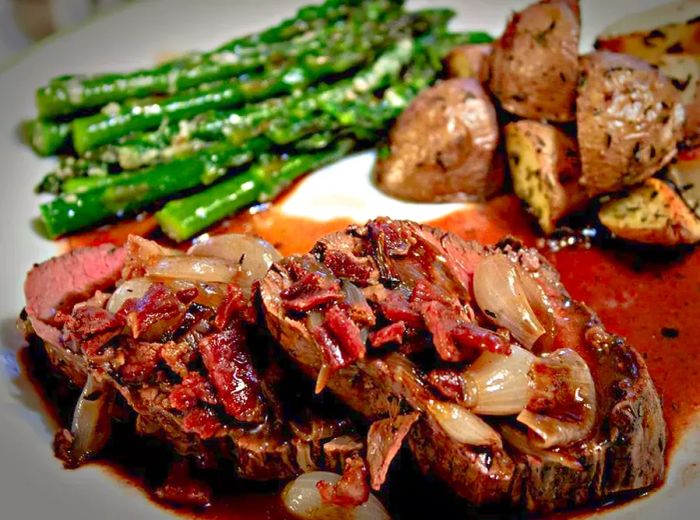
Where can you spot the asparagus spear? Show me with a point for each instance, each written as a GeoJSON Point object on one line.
{"type": "Point", "coordinates": [341, 57]}
{"type": "Point", "coordinates": [107, 196]}
{"type": "Point", "coordinates": [183, 218]}
{"type": "Point", "coordinates": [100, 129]}
{"type": "Point", "coordinates": [68, 94]}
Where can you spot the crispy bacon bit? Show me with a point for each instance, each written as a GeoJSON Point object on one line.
{"type": "Point", "coordinates": [441, 321]}
{"type": "Point", "coordinates": [384, 440]}
{"type": "Point", "coordinates": [392, 237]}
{"type": "Point", "coordinates": [348, 267]}
{"type": "Point", "coordinates": [196, 317]}
{"type": "Point", "coordinates": [333, 358]}
{"type": "Point", "coordinates": [449, 383]}
{"type": "Point", "coordinates": [90, 328]}
{"type": "Point", "coordinates": [310, 291]}
{"type": "Point", "coordinates": [201, 421]}
{"type": "Point", "coordinates": [157, 308]}
{"type": "Point", "coordinates": [181, 489]}
{"type": "Point", "coordinates": [193, 390]}
{"type": "Point", "coordinates": [140, 361]}
{"type": "Point", "coordinates": [351, 490]}
{"type": "Point", "coordinates": [346, 332]}
{"type": "Point", "coordinates": [425, 292]}
{"type": "Point", "coordinates": [395, 308]}
{"type": "Point", "coordinates": [392, 333]}
{"type": "Point", "coordinates": [177, 356]}
{"type": "Point", "coordinates": [471, 336]}
{"type": "Point", "coordinates": [553, 395]}
{"type": "Point", "coordinates": [187, 296]}
{"type": "Point", "coordinates": [231, 371]}
{"type": "Point", "coordinates": [234, 306]}
{"type": "Point", "coordinates": [63, 448]}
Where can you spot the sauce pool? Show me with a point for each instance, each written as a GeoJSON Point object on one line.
{"type": "Point", "coordinates": [651, 301]}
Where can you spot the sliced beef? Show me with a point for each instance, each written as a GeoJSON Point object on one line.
{"type": "Point", "coordinates": [184, 369]}
{"type": "Point", "coordinates": [414, 268]}
{"type": "Point", "coordinates": [56, 285]}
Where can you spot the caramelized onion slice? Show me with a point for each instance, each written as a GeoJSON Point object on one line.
{"type": "Point", "coordinates": [519, 441]}
{"type": "Point", "coordinates": [302, 499]}
{"type": "Point", "coordinates": [462, 425]}
{"type": "Point", "coordinates": [500, 295]}
{"type": "Point", "coordinates": [253, 256]}
{"type": "Point", "coordinates": [196, 268]}
{"type": "Point", "coordinates": [574, 380]}
{"type": "Point", "coordinates": [134, 288]}
{"type": "Point", "coordinates": [501, 382]}
{"type": "Point", "coordinates": [92, 424]}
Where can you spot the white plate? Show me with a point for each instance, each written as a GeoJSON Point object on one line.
{"type": "Point", "coordinates": [32, 483]}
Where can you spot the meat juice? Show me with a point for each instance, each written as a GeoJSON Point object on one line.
{"type": "Point", "coordinates": [646, 296]}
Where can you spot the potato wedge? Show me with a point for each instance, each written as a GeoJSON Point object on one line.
{"type": "Point", "coordinates": [629, 119]}
{"type": "Point", "coordinates": [653, 45]}
{"type": "Point", "coordinates": [534, 65]}
{"type": "Point", "coordinates": [443, 146]}
{"type": "Point", "coordinates": [684, 72]}
{"type": "Point", "coordinates": [684, 173]}
{"type": "Point", "coordinates": [652, 213]}
{"type": "Point", "coordinates": [469, 61]}
{"type": "Point", "coordinates": [545, 169]}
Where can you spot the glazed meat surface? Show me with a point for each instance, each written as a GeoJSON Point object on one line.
{"type": "Point", "coordinates": [412, 292]}
{"type": "Point", "coordinates": [184, 356]}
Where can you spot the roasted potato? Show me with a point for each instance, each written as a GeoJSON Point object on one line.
{"type": "Point", "coordinates": [534, 65]}
{"type": "Point", "coordinates": [545, 169]}
{"type": "Point", "coordinates": [652, 213]}
{"type": "Point", "coordinates": [442, 147]}
{"type": "Point", "coordinates": [685, 175]}
{"type": "Point", "coordinates": [629, 119]}
{"type": "Point", "coordinates": [469, 61]}
{"type": "Point", "coordinates": [684, 72]}
{"type": "Point", "coordinates": [652, 46]}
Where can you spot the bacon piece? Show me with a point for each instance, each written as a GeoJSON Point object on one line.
{"type": "Point", "coordinates": [140, 361]}
{"type": "Point", "coordinates": [395, 307]}
{"type": "Point", "coordinates": [177, 356]}
{"type": "Point", "coordinates": [351, 490]}
{"type": "Point", "coordinates": [187, 296]}
{"type": "Point", "coordinates": [310, 291]}
{"type": "Point", "coordinates": [392, 333]}
{"type": "Point", "coordinates": [193, 390]}
{"type": "Point", "coordinates": [457, 340]}
{"type": "Point", "coordinates": [158, 309]}
{"type": "Point", "coordinates": [425, 292]}
{"type": "Point", "coordinates": [553, 395]}
{"type": "Point", "coordinates": [90, 328]}
{"type": "Point", "coordinates": [234, 306]}
{"type": "Point", "coordinates": [449, 383]}
{"type": "Point", "coordinates": [231, 371]}
{"type": "Point", "coordinates": [201, 421]}
{"type": "Point", "coordinates": [348, 267]}
{"type": "Point", "coordinates": [384, 440]}
{"type": "Point", "coordinates": [181, 489]}
{"type": "Point", "coordinates": [346, 332]}
{"type": "Point", "coordinates": [440, 320]}
{"type": "Point", "coordinates": [472, 336]}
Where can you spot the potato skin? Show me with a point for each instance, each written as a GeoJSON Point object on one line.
{"type": "Point", "coordinates": [684, 72]}
{"type": "Point", "coordinates": [534, 65]}
{"type": "Point", "coordinates": [442, 146]}
{"type": "Point", "coordinates": [652, 213]}
{"type": "Point", "coordinates": [652, 45]}
{"type": "Point", "coordinates": [545, 169]}
{"type": "Point", "coordinates": [469, 61]}
{"type": "Point", "coordinates": [629, 120]}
